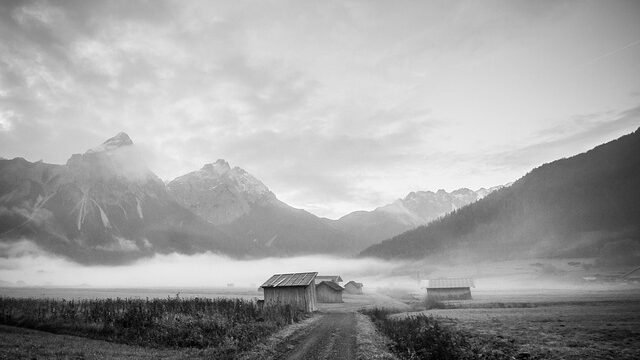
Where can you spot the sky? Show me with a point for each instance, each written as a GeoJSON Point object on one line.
{"type": "Point", "coordinates": [335, 105]}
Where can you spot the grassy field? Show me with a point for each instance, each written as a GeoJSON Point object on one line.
{"type": "Point", "coordinates": [222, 327]}
{"type": "Point", "coordinates": [552, 325]}
{"type": "Point", "coordinates": [422, 336]}
{"type": "Point", "coordinates": [540, 324]}
{"type": "Point", "coordinates": [129, 293]}
{"type": "Point", "coordinates": [20, 343]}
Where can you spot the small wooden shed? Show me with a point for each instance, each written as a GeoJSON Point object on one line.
{"type": "Point", "coordinates": [329, 292]}
{"type": "Point", "coordinates": [353, 287]}
{"type": "Point", "coordinates": [296, 289]}
{"type": "Point", "coordinates": [335, 278]}
{"type": "Point", "coordinates": [449, 289]}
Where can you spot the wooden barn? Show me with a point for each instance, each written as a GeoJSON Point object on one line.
{"type": "Point", "coordinates": [297, 290]}
{"type": "Point", "coordinates": [353, 287]}
{"type": "Point", "coordinates": [449, 289]}
{"type": "Point", "coordinates": [335, 278]}
{"type": "Point", "coordinates": [329, 292]}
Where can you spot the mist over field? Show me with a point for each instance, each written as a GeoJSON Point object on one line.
{"type": "Point", "coordinates": [24, 262]}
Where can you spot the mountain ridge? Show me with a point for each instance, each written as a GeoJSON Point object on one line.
{"type": "Point", "coordinates": [415, 209]}
{"type": "Point", "coordinates": [103, 206]}
{"type": "Point", "coordinates": [584, 205]}
{"type": "Point", "coordinates": [244, 208]}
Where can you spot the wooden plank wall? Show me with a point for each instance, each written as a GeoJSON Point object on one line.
{"type": "Point", "coordinates": [299, 297]}
{"type": "Point", "coordinates": [327, 295]}
{"type": "Point", "coordinates": [449, 294]}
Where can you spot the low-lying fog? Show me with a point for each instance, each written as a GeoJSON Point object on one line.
{"type": "Point", "coordinates": [26, 264]}
{"type": "Point", "coordinates": [23, 264]}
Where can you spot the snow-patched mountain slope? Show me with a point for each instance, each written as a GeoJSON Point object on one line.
{"type": "Point", "coordinates": [415, 209]}
{"type": "Point", "coordinates": [103, 206]}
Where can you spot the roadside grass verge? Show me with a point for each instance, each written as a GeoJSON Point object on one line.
{"type": "Point", "coordinates": [225, 327]}
{"type": "Point", "coordinates": [370, 344]}
{"type": "Point", "coordinates": [425, 337]}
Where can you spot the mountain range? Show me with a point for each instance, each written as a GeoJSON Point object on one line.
{"type": "Point", "coordinates": [583, 206]}
{"type": "Point", "coordinates": [105, 206]}
{"type": "Point", "coordinates": [243, 207]}
{"type": "Point", "coordinates": [416, 209]}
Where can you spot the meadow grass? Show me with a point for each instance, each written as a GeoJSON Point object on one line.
{"type": "Point", "coordinates": [425, 337]}
{"type": "Point", "coordinates": [228, 326]}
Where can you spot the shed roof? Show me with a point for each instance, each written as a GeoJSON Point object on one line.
{"type": "Point", "coordinates": [332, 285]}
{"type": "Point", "coordinates": [334, 278]}
{"type": "Point", "coordinates": [449, 283]}
{"type": "Point", "coordinates": [294, 279]}
{"type": "Point", "coordinates": [356, 284]}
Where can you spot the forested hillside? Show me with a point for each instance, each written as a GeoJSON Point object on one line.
{"type": "Point", "coordinates": [586, 205]}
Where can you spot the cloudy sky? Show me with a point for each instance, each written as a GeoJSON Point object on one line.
{"type": "Point", "coordinates": [335, 105]}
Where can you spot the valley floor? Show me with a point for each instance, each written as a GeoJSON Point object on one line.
{"type": "Point", "coordinates": [542, 325]}
{"type": "Point", "coordinates": [335, 332]}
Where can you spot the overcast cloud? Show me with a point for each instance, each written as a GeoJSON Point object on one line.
{"type": "Point", "coordinates": [335, 105]}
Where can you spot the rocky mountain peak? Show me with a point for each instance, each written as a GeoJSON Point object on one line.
{"type": "Point", "coordinates": [219, 167]}
{"type": "Point", "coordinates": [219, 193]}
{"type": "Point", "coordinates": [116, 142]}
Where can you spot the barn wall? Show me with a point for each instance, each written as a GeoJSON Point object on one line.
{"type": "Point", "coordinates": [312, 296]}
{"type": "Point", "coordinates": [327, 295]}
{"type": "Point", "coordinates": [299, 297]}
{"type": "Point", "coordinates": [353, 289]}
{"type": "Point", "coordinates": [449, 294]}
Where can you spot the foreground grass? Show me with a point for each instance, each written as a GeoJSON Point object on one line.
{"type": "Point", "coordinates": [20, 343]}
{"type": "Point", "coordinates": [371, 345]}
{"type": "Point", "coordinates": [226, 327]}
{"type": "Point", "coordinates": [424, 337]}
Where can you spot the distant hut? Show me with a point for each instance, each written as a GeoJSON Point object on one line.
{"type": "Point", "coordinates": [353, 287]}
{"type": "Point", "coordinates": [335, 278]}
{"type": "Point", "coordinates": [329, 292]}
{"type": "Point", "coordinates": [297, 290]}
{"type": "Point", "coordinates": [449, 289]}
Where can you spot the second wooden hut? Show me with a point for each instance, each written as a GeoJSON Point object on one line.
{"type": "Point", "coordinates": [353, 287]}
{"type": "Point", "coordinates": [329, 292]}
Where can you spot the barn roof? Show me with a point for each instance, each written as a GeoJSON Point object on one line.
{"type": "Point", "coordinates": [295, 279]}
{"type": "Point", "coordinates": [332, 285]}
{"type": "Point", "coordinates": [356, 284]}
{"type": "Point", "coordinates": [449, 283]}
{"type": "Point", "coordinates": [334, 278]}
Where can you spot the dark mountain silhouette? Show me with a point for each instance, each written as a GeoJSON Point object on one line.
{"type": "Point", "coordinates": [587, 205]}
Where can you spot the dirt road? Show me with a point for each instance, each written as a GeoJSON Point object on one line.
{"type": "Point", "coordinates": [335, 332]}
{"type": "Point", "coordinates": [332, 337]}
